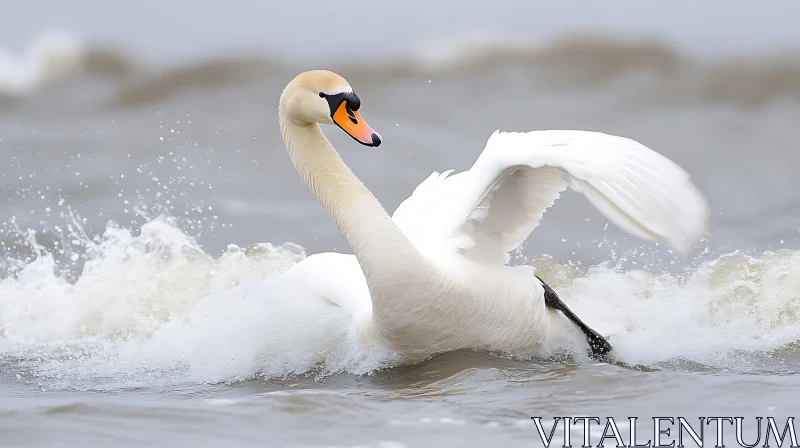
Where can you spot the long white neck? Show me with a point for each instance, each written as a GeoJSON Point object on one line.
{"type": "Point", "coordinates": [378, 244]}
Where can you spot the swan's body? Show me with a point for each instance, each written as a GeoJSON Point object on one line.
{"type": "Point", "coordinates": [433, 277]}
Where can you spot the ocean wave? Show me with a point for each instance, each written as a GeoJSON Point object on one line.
{"type": "Point", "coordinates": [598, 61]}
{"type": "Point", "coordinates": [52, 56]}
{"type": "Point", "coordinates": [153, 308]}
{"type": "Point", "coordinates": [585, 61]}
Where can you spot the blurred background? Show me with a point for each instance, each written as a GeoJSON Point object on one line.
{"type": "Point", "coordinates": [139, 150]}
{"type": "Point", "coordinates": [124, 111]}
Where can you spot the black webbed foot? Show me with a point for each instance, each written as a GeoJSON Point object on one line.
{"type": "Point", "coordinates": [598, 344]}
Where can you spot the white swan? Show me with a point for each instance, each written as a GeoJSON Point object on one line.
{"type": "Point", "coordinates": [433, 278]}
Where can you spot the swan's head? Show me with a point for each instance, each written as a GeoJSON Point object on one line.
{"type": "Point", "coordinates": [321, 96]}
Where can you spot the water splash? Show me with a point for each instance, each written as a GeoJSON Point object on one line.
{"type": "Point", "coordinates": [153, 308]}
{"type": "Point", "coordinates": [732, 313]}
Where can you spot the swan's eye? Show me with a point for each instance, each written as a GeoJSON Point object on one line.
{"type": "Point", "coordinates": [322, 95]}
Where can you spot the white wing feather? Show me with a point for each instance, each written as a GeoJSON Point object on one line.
{"type": "Point", "coordinates": [491, 209]}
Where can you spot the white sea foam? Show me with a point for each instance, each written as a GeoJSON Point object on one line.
{"type": "Point", "coordinates": [731, 313]}
{"type": "Point", "coordinates": [153, 308]}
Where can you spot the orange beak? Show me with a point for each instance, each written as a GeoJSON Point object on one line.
{"type": "Point", "coordinates": [351, 122]}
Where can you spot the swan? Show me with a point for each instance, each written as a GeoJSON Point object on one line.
{"type": "Point", "coordinates": [434, 277]}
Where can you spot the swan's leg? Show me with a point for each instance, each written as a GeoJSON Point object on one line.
{"type": "Point", "coordinates": [597, 343]}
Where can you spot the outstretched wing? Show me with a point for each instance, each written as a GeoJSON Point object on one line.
{"type": "Point", "coordinates": [491, 209]}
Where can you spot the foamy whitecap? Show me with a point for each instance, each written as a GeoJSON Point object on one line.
{"type": "Point", "coordinates": [731, 313]}
{"type": "Point", "coordinates": [53, 55]}
{"type": "Point", "coordinates": [154, 308]}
